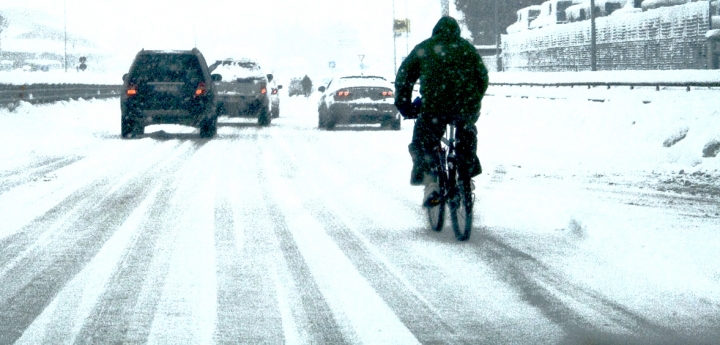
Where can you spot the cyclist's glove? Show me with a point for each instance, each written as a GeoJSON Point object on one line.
{"type": "Point", "coordinates": [411, 111]}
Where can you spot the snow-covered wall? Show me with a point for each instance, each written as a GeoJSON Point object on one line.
{"type": "Point", "coordinates": [662, 38]}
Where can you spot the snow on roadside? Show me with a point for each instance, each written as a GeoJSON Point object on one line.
{"type": "Point", "coordinates": [631, 130]}
{"type": "Point", "coordinates": [32, 132]}
{"type": "Point", "coordinates": [59, 76]}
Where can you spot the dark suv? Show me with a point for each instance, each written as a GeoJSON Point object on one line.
{"type": "Point", "coordinates": [168, 87]}
{"type": "Point", "coordinates": [243, 89]}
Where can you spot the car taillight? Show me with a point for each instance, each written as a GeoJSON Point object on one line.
{"type": "Point", "coordinates": [387, 93]}
{"type": "Point", "coordinates": [201, 90]}
{"type": "Point", "coordinates": [132, 90]}
{"type": "Point", "coordinates": [274, 91]}
{"type": "Point", "coordinates": [342, 93]}
{"type": "Point", "coordinates": [263, 91]}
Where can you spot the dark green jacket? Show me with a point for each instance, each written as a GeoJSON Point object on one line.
{"type": "Point", "coordinates": [453, 78]}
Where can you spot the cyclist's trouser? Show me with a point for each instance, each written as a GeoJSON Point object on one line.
{"type": "Point", "coordinates": [429, 128]}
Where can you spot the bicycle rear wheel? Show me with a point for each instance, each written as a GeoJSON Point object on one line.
{"type": "Point", "coordinates": [461, 211]}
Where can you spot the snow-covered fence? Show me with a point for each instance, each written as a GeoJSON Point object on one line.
{"type": "Point", "coordinates": [662, 38]}
{"type": "Point", "coordinates": [45, 93]}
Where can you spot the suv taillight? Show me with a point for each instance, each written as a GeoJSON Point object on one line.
{"type": "Point", "coordinates": [201, 90]}
{"type": "Point", "coordinates": [131, 90]}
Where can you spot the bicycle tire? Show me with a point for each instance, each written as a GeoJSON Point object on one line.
{"type": "Point", "coordinates": [461, 208]}
{"type": "Point", "coordinates": [436, 214]}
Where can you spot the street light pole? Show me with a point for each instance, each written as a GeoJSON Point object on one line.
{"type": "Point", "coordinates": [65, 29]}
{"type": "Point", "coordinates": [593, 38]}
{"type": "Point", "coordinates": [394, 40]}
{"type": "Point", "coordinates": [497, 39]}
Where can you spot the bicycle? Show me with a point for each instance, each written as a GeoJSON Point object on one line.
{"type": "Point", "coordinates": [455, 190]}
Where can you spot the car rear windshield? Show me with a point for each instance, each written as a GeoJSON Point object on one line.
{"type": "Point", "coordinates": [167, 68]}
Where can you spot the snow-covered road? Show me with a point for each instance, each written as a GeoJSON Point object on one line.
{"type": "Point", "coordinates": [290, 234]}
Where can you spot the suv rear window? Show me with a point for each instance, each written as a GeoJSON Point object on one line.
{"type": "Point", "coordinates": [167, 68]}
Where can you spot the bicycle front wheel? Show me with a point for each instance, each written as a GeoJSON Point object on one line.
{"type": "Point", "coordinates": [461, 211]}
{"type": "Point", "coordinates": [436, 213]}
{"type": "Point", "coordinates": [436, 216]}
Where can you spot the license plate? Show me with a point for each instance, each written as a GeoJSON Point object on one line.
{"type": "Point", "coordinates": [166, 88]}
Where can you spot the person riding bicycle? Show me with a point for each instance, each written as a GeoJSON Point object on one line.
{"type": "Point", "coordinates": [453, 81]}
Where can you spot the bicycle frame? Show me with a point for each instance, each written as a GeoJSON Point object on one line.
{"type": "Point", "coordinates": [454, 190]}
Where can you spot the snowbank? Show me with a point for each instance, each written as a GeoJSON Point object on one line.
{"type": "Point", "coordinates": [560, 131]}
{"type": "Point", "coordinates": [59, 76]}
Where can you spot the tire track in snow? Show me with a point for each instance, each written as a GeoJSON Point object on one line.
{"type": "Point", "coordinates": [575, 309]}
{"type": "Point", "coordinates": [41, 271]}
{"type": "Point", "coordinates": [187, 310]}
{"type": "Point", "coordinates": [64, 318]}
{"type": "Point", "coordinates": [24, 203]}
{"type": "Point", "coordinates": [125, 310]}
{"type": "Point", "coordinates": [417, 313]}
{"type": "Point", "coordinates": [248, 310]}
{"type": "Point", "coordinates": [361, 315]}
{"type": "Point", "coordinates": [35, 171]}
{"type": "Point", "coordinates": [322, 326]}
{"type": "Point", "coordinates": [34, 235]}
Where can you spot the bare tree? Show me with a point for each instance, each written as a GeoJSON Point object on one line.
{"type": "Point", "coordinates": [3, 25]}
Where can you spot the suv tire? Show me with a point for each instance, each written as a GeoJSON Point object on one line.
{"type": "Point", "coordinates": [264, 118]}
{"type": "Point", "coordinates": [131, 129]}
{"type": "Point", "coordinates": [208, 127]}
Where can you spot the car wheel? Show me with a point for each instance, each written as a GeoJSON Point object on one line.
{"type": "Point", "coordinates": [321, 118]}
{"type": "Point", "coordinates": [126, 127]}
{"type": "Point", "coordinates": [208, 127]}
{"type": "Point", "coordinates": [130, 128]}
{"type": "Point", "coordinates": [264, 118]}
{"type": "Point", "coordinates": [395, 124]}
{"type": "Point", "coordinates": [330, 121]}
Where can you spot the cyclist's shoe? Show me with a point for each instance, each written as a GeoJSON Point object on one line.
{"type": "Point", "coordinates": [432, 195]}
{"type": "Point", "coordinates": [417, 176]}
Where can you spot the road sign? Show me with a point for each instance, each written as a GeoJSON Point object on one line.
{"type": "Point", "coordinates": [401, 26]}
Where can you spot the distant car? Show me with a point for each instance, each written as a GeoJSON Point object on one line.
{"type": "Point", "coordinates": [275, 99]}
{"type": "Point", "coordinates": [243, 89]}
{"type": "Point", "coordinates": [358, 100]}
{"type": "Point", "coordinates": [168, 87]}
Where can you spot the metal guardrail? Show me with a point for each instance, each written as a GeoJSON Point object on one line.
{"type": "Point", "coordinates": [687, 85]}
{"type": "Point", "coordinates": [657, 86]}
{"type": "Point", "coordinates": [11, 95]}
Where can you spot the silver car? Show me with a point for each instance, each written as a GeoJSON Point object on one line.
{"type": "Point", "coordinates": [358, 100]}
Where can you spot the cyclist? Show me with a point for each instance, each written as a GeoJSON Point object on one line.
{"type": "Point", "coordinates": [453, 81]}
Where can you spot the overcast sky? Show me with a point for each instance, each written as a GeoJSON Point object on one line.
{"type": "Point", "coordinates": [280, 32]}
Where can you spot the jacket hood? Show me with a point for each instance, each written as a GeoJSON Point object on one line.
{"type": "Point", "coordinates": [446, 27]}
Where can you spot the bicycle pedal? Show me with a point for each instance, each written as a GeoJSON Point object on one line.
{"type": "Point", "coordinates": [433, 200]}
